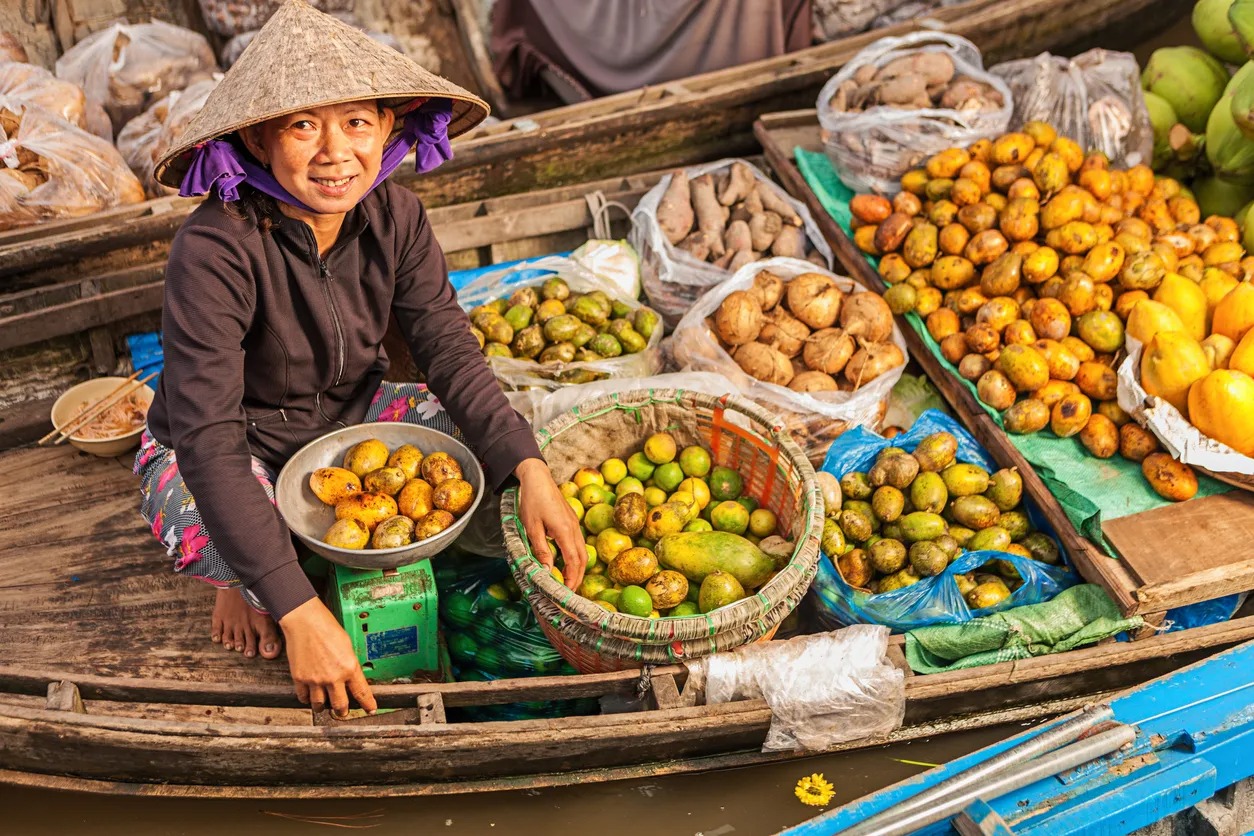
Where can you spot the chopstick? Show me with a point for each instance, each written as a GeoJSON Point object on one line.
{"type": "Point", "coordinates": [94, 411]}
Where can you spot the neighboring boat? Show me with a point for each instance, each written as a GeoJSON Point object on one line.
{"type": "Point", "coordinates": [685, 121]}
{"type": "Point", "coordinates": [1173, 752]}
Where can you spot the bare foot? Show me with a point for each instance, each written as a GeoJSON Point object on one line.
{"type": "Point", "coordinates": [239, 627]}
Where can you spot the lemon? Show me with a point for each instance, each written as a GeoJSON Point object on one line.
{"type": "Point", "coordinates": [730, 516]}
{"type": "Point", "coordinates": [692, 509]}
{"type": "Point", "coordinates": [570, 490]}
{"type": "Point", "coordinates": [499, 592]}
{"type": "Point", "coordinates": [576, 506]}
{"type": "Point", "coordinates": [699, 525]}
{"type": "Point", "coordinates": [762, 523]}
{"type": "Point", "coordinates": [606, 605]}
{"type": "Point", "coordinates": [668, 476]}
{"type": "Point", "coordinates": [629, 484]}
{"type": "Point", "coordinates": [594, 585]}
{"type": "Point", "coordinates": [557, 575]}
{"type": "Point", "coordinates": [592, 557]}
{"type": "Point", "coordinates": [611, 543]}
{"type": "Point", "coordinates": [613, 471]}
{"type": "Point", "coordinates": [654, 497]}
{"type": "Point", "coordinates": [591, 495]}
{"type": "Point", "coordinates": [585, 476]}
{"type": "Point", "coordinates": [639, 466]}
{"type": "Point", "coordinates": [750, 504]}
{"type": "Point", "coordinates": [684, 608]}
{"type": "Point", "coordinates": [695, 461]}
{"type": "Point", "coordinates": [660, 448]}
{"type": "Point", "coordinates": [698, 488]}
{"type": "Point", "coordinates": [599, 517]}
{"type": "Point", "coordinates": [633, 600]}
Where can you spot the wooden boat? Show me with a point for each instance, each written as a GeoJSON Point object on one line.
{"type": "Point", "coordinates": [1185, 769]}
{"type": "Point", "coordinates": [686, 121]}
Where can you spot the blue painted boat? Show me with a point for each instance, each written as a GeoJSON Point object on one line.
{"type": "Point", "coordinates": [1180, 746]}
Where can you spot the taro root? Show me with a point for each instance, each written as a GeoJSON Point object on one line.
{"type": "Point", "coordinates": [768, 288]}
{"type": "Point", "coordinates": [867, 316]}
{"type": "Point", "coordinates": [828, 350]}
{"type": "Point", "coordinates": [871, 361]}
{"type": "Point", "coordinates": [738, 319]}
{"type": "Point", "coordinates": [764, 363]}
{"type": "Point", "coordinates": [784, 333]}
{"type": "Point", "coordinates": [813, 381]}
{"type": "Point", "coordinates": [814, 299]}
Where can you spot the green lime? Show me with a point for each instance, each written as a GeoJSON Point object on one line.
{"type": "Point", "coordinates": [635, 601]}
{"type": "Point", "coordinates": [762, 522]}
{"type": "Point", "coordinates": [699, 525]}
{"type": "Point", "coordinates": [685, 608]}
{"type": "Point", "coordinates": [599, 517]}
{"type": "Point", "coordinates": [629, 484]}
{"type": "Point", "coordinates": [461, 647]}
{"type": "Point", "coordinates": [614, 471]}
{"type": "Point", "coordinates": [639, 466]}
{"type": "Point", "coordinates": [730, 516]}
{"type": "Point", "coordinates": [610, 595]}
{"type": "Point", "coordinates": [654, 497]}
{"type": "Point", "coordinates": [750, 504]}
{"type": "Point", "coordinates": [489, 659]}
{"type": "Point", "coordinates": [725, 484]}
{"type": "Point", "coordinates": [695, 461]}
{"type": "Point", "coordinates": [458, 609]}
{"type": "Point", "coordinates": [645, 543]}
{"type": "Point", "coordinates": [660, 448]}
{"type": "Point", "coordinates": [576, 506]}
{"type": "Point", "coordinates": [591, 495]}
{"type": "Point", "coordinates": [592, 557]}
{"type": "Point", "coordinates": [668, 476]}
{"type": "Point", "coordinates": [694, 593]}
{"type": "Point", "coordinates": [593, 585]}
{"type": "Point", "coordinates": [492, 597]}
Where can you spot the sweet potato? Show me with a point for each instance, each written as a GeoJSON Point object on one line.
{"type": "Point", "coordinates": [763, 229]}
{"type": "Point", "coordinates": [738, 186]}
{"type": "Point", "coordinates": [789, 242]}
{"type": "Point", "coordinates": [709, 212]}
{"type": "Point", "coordinates": [741, 258]}
{"type": "Point", "coordinates": [772, 202]}
{"type": "Point", "coordinates": [739, 237]}
{"type": "Point", "coordinates": [674, 211]}
{"type": "Point", "coordinates": [935, 68]}
{"type": "Point", "coordinates": [697, 245]}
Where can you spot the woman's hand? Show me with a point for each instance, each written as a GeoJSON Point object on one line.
{"type": "Point", "coordinates": [323, 665]}
{"type": "Point", "coordinates": [545, 513]}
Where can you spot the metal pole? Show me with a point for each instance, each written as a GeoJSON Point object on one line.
{"type": "Point", "coordinates": [1046, 741]}
{"type": "Point", "coordinates": [1060, 760]}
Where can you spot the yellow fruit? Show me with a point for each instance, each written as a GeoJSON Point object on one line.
{"type": "Point", "coordinates": [1150, 317]}
{"type": "Point", "coordinates": [1234, 315]}
{"type": "Point", "coordinates": [1171, 364]}
{"type": "Point", "coordinates": [1218, 350]}
{"type": "Point", "coordinates": [366, 456]}
{"type": "Point", "coordinates": [332, 484]}
{"type": "Point", "coordinates": [1216, 284]}
{"type": "Point", "coordinates": [1242, 359]}
{"type": "Point", "coordinates": [1188, 300]}
{"type": "Point", "coordinates": [1221, 405]}
{"type": "Point", "coordinates": [698, 488]}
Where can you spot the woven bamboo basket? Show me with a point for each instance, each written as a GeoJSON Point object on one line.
{"type": "Point", "coordinates": [739, 435]}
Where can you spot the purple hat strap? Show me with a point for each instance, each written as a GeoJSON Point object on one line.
{"type": "Point", "coordinates": [218, 165]}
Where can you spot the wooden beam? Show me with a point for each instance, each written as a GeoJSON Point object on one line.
{"type": "Point", "coordinates": [431, 708]}
{"type": "Point", "coordinates": [474, 41]}
{"type": "Point", "coordinates": [64, 696]}
{"type": "Point", "coordinates": [83, 314]}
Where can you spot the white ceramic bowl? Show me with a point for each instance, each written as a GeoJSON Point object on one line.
{"type": "Point", "coordinates": [310, 518]}
{"type": "Point", "coordinates": [90, 391]}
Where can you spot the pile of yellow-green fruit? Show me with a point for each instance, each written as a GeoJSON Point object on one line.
{"type": "Point", "coordinates": [668, 534]}
{"type": "Point", "coordinates": [555, 325]}
{"type": "Point", "coordinates": [912, 514]}
{"type": "Point", "coordinates": [384, 500]}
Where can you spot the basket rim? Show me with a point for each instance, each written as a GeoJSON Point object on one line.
{"type": "Point", "coordinates": [772, 602]}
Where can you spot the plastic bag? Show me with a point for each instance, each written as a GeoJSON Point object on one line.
{"type": "Point", "coordinates": [1094, 98]}
{"type": "Point", "coordinates": [673, 279]}
{"type": "Point", "coordinates": [813, 418]}
{"type": "Point", "coordinates": [870, 150]}
{"type": "Point", "coordinates": [492, 634]}
{"type": "Point", "coordinates": [520, 374]}
{"type": "Point", "coordinates": [822, 689]}
{"type": "Point", "coordinates": [614, 261]}
{"type": "Point", "coordinates": [35, 85]}
{"type": "Point", "coordinates": [51, 169]}
{"type": "Point", "coordinates": [564, 400]}
{"type": "Point", "coordinates": [126, 68]}
{"type": "Point", "coordinates": [1181, 439]}
{"type": "Point", "coordinates": [934, 600]}
{"type": "Point", "coordinates": [234, 17]}
{"type": "Point", "coordinates": [145, 139]}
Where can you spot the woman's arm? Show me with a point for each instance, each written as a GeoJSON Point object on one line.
{"type": "Point", "coordinates": [438, 332]}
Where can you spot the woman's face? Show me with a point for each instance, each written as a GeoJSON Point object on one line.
{"type": "Point", "coordinates": [326, 157]}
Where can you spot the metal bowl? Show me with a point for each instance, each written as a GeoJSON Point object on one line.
{"type": "Point", "coordinates": [310, 518]}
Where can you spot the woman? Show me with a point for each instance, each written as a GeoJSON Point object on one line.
{"type": "Point", "coordinates": [278, 292]}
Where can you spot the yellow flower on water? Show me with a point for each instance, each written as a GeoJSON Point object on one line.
{"type": "Point", "coordinates": [814, 790]}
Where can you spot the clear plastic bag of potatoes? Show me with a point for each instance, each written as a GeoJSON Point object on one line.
{"type": "Point", "coordinates": [1094, 98]}
{"type": "Point", "coordinates": [145, 139]}
{"type": "Point", "coordinates": [901, 100]}
{"type": "Point", "coordinates": [35, 85]}
{"type": "Point", "coordinates": [126, 68]}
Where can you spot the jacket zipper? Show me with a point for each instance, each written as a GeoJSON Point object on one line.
{"type": "Point", "coordinates": [340, 349]}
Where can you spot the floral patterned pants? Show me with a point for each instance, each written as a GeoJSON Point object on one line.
{"type": "Point", "coordinates": [170, 509]}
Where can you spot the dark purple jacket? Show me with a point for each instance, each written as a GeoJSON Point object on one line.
{"type": "Point", "coordinates": [268, 346]}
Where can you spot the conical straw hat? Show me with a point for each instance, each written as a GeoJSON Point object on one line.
{"type": "Point", "coordinates": [301, 59]}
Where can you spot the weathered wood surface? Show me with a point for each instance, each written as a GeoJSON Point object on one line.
{"type": "Point", "coordinates": [779, 135]}
{"type": "Point", "coordinates": [694, 119]}
{"type": "Point", "coordinates": [89, 604]}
